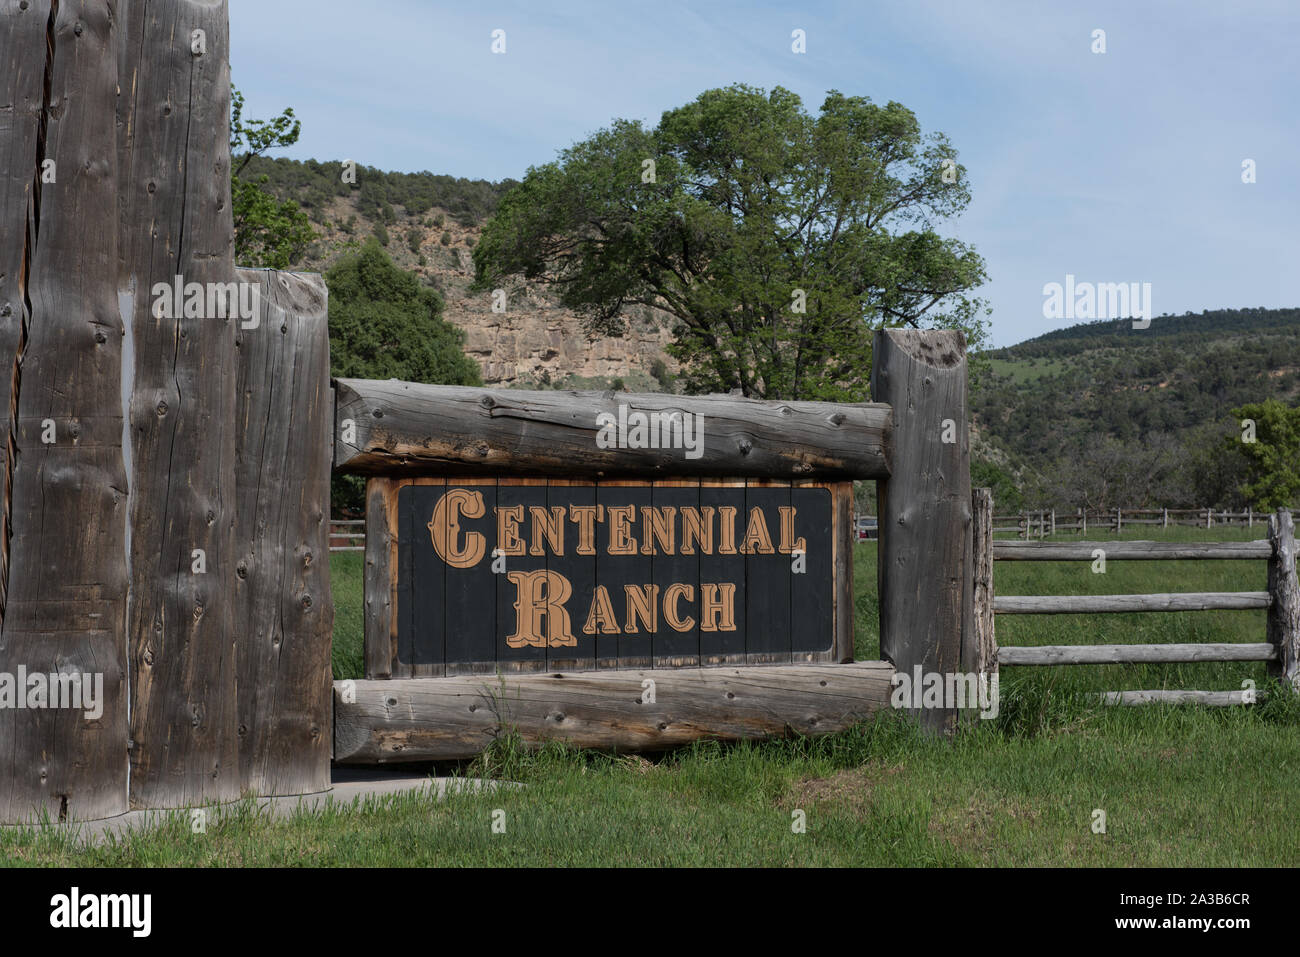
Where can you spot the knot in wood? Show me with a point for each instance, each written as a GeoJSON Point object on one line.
{"type": "Point", "coordinates": [377, 413]}
{"type": "Point", "coordinates": [241, 571]}
{"type": "Point", "coordinates": [838, 418]}
{"type": "Point", "coordinates": [745, 446]}
{"type": "Point", "coordinates": [162, 409]}
{"type": "Point", "coordinates": [5, 311]}
{"type": "Point", "coordinates": [78, 29]}
{"type": "Point", "coordinates": [487, 402]}
{"type": "Point", "coordinates": [306, 601]}
{"type": "Point", "coordinates": [101, 338]}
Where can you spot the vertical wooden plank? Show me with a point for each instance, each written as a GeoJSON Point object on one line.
{"type": "Point", "coordinates": [926, 583]}
{"type": "Point", "coordinates": [283, 616]}
{"type": "Point", "coordinates": [471, 603]}
{"type": "Point", "coordinates": [578, 565]}
{"type": "Point", "coordinates": [515, 497]}
{"type": "Point", "coordinates": [623, 501]}
{"type": "Point", "coordinates": [175, 120]}
{"type": "Point", "coordinates": [421, 583]}
{"type": "Point", "coordinates": [722, 502]}
{"type": "Point", "coordinates": [767, 577]}
{"type": "Point", "coordinates": [1284, 613]}
{"type": "Point", "coordinates": [813, 591]}
{"type": "Point", "coordinates": [63, 575]}
{"type": "Point", "coordinates": [676, 644]}
{"type": "Point", "coordinates": [981, 653]}
{"type": "Point", "coordinates": [844, 538]}
{"type": "Point", "coordinates": [381, 579]}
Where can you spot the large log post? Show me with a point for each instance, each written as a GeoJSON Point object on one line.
{"type": "Point", "coordinates": [63, 574]}
{"type": "Point", "coordinates": [283, 614]}
{"type": "Point", "coordinates": [926, 590]}
{"type": "Point", "coordinates": [176, 222]}
{"type": "Point", "coordinates": [1284, 612]}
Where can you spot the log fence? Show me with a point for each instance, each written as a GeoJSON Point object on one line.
{"type": "Point", "coordinates": [1044, 523]}
{"type": "Point", "coordinates": [1281, 600]}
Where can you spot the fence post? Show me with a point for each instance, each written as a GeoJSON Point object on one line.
{"type": "Point", "coordinates": [1119, 520]}
{"type": "Point", "coordinates": [1250, 517]}
{"type": "Point", "coordinates": [1083, 519]}
{"type": "Point", "coordinates": [1165, 515]}
{"type": "Point", "coordinates": [1053, 521]}
{"type": "Point", "coordinates": [981, 655]}
{"type": "Point", "coordinates": [1284, 613]}
{"type": "Point", "coordinates": [926, 581]}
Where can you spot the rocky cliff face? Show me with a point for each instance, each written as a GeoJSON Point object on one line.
{"type": "Point", "coordinates": [534, 342]}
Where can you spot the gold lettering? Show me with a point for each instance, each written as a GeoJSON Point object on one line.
{"type": "Point", "coordinates": [643, 604]}
{"type": "Point", "coordinates": [601, 614]}
{"type": "Point", "coordinates": [789, 545]}
{"type": "Point", "coordinates": [508, 539]}
{"type": "Point", "coordinates": [444, 529]}
{"type": "Point", "coordinates": [541, 594]}
{"type": "Point", "coordinates": [551, 526]}
{"type": "Point", "coordinates": [727, 519]}
{"type": "Point", "coordinates": [671, 597]}
{"type": "Point", "coordinates": [621, 541]}
{"type": "Point", "coordinates": [659, 524]}
{"type": "Point", "coordinates": [697, 526]}
{"type": "Point", "coordinates": [718, 612]}
{"type": "Point", "coordinates": [586, 517]}
{"type": "Point", "coordinates": [757, 540]}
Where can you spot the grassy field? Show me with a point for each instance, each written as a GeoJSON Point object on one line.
{"type": "Point", "coordinates": [1180, 786]}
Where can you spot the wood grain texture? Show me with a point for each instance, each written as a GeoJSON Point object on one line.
{"type": "Point", "coordinates": [1212, 699]}
{"type": "Point", "coordinates": [981, 656]}
{"type": "Point", "coordinates": [283, 614]}
{"type": "Point", "coordinates": [454, 718]}
{"type": "Point", "coordinates": [926, 583]}
{"type": "Point", "coordinates": [1129, 654]}
{"type": "Point", "coordinates": [380, 622]}
{"type": "Point", "coordinates": [1023, 551]}
{"type": "Point", "coordinates": [1094, 604]}
{"type": "Point", "coordinates": [174, 115]}
{"type": "Point", "coordinates": [406, 428]}
{"type": "Point", "coordinates": [65, 502]}
{"type": "Point", "coordinates": [1284, 613]}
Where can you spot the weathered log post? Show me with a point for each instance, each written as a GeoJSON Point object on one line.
{"type": "Point", "coordinates": [926, 582]}
{"type": "Point", "coordinates": [284, 618]}
{"type": "Point", "coordinates": [1284, 612]}
{"type": "Point", "coordinates": [63, 573]}
{"type": "Point", "coordinates": [177, 231]}
{"type": "Point", "coordinates": [981, 657]}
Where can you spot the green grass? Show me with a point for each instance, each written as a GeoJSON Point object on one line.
{"type": "Point", "coordinates": [1181, 786]}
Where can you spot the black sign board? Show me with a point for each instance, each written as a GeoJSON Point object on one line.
{"type": "Point", "coordinates": [523, 574]}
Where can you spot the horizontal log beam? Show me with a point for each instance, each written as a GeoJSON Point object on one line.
{"type": "Point", "coordinates": [1134, 654]}
{"type": "Point", "coordinates": [1094, 604]}
{"type": "Point", "coordinates": [1013, 551]}
{"type": "Point", "coordinates": [401, 428]}
{"type": "Point", "coordinates": [429, 719]}
{"type": "Point", "coordinates": [1217, 699]}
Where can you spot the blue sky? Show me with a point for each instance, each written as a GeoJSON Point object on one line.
{"type": "Point", "coordinates": [1115, 167]}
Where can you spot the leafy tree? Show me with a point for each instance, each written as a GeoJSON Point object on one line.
{"type": "Point", "coordinates": [385, 325]}
{"type": "Point", "coordinates": [776, 241]}
{"type": "Point", "coordinates": [268, 231]}
{"type": "Point", "coordinates": [1273, 459]}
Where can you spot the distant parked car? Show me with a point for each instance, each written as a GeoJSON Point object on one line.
{"type": "Point", "coordinates": [867, 529]}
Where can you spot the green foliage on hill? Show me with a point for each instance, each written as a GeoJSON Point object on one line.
{"type": "Point", "coordinates": [1104, 415]}
{"type": "Point", "coordinates": [379, 195]}
{"type": "Point", "coordinates": [385, 324]}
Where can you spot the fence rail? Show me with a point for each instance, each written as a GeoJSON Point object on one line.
{"type": "Point", "coordinates": [1281, 600]}
{"type": "Point", "coordinates": [1045, 522]}
{"type": "Point", "coordinates": [350, 532]}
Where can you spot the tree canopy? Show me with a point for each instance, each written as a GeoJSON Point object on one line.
{"type": "Point", "coordinates": [268, 232]}
{"type": "Point", "coordinates": [777, 241]}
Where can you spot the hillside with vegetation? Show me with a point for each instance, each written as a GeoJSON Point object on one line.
{"type": "Point", "coordinates": [1103, 414]}
{"type": "Point", "coordinates": [429, 224]}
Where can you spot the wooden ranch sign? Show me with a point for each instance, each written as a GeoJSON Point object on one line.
{"type": "Point", "coordinates": [561, 574]}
